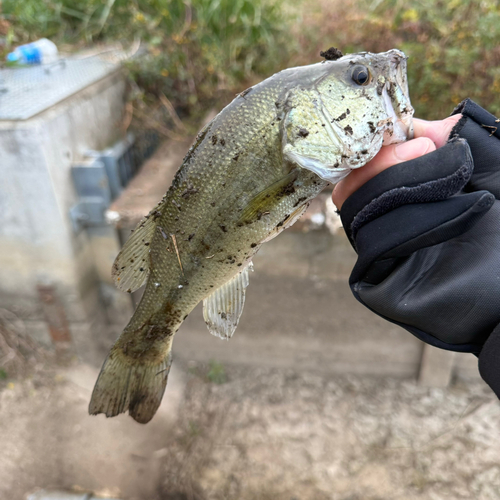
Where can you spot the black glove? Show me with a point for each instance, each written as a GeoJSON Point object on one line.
{"type": "Point", "coordinates": [427, 234]}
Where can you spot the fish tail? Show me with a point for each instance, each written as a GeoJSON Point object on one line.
{"type": "Point", "coordinates": [130, 384]}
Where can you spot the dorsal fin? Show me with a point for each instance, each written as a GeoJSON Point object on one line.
{"type": "Point", "coordinates": [222, 309]}
{"type": "Point", "coordinates": [132, 264]}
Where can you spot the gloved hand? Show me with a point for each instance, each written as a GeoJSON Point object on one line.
{"type": "Point", "coordinates": [427, 234]}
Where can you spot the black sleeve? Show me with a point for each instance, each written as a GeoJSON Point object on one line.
{"type": "Point", "coordinates": [427, 234]}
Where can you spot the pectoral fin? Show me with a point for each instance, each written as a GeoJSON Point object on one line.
{"type": "Point", "coordinates": [222, 309]}
{"type": "Point", "coordinates": [267, 199]}
{"type": "Point", "coordinates": [290, 220]}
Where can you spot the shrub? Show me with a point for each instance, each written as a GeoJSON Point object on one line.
{"type": "Point", "coordinates": [192, 51]}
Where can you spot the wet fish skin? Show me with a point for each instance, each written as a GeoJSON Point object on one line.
{"type": "Point", "coordinates": [249, 174]}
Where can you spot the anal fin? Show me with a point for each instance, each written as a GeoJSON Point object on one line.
{"type": "Point", "coordinates": [223, 308]}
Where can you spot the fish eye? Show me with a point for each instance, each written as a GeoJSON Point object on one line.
{"type": "Point", "coordinates": [361, 75]}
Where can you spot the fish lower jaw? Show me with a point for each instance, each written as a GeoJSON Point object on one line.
{"type": "Point", "coordinates": [328, 173]}
{"type": "Point", "coordinates": [397, 132]}
{"type": "Point", "coordinates": [397, 128]}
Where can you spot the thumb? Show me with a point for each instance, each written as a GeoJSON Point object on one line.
{"type": "Point", "coordinates": [437, 131]}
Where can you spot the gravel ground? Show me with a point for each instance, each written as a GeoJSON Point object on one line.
{"type": "Point", "coordinates": [269, 434]}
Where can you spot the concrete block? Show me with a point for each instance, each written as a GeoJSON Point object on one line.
{"type": "Point", "coordinates": [465, 367]}
{"type": "Point", "coordinates": [436, 368]}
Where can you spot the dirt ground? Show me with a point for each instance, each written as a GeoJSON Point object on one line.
{"type": "Point", "coordinates": [49, 441]}
{"type": "Point", "coordinates": [255, 433]}
{"type": "Point", "coordinates": [271, 434]}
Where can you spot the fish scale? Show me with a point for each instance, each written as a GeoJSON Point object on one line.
{"type": "Point", "coordinates": [250, 173]}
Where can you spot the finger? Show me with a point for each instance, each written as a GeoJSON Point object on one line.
{"type": "Point", "coordinates": [388, 156]}
{"type": "Point", "coordinates": [438, 131]}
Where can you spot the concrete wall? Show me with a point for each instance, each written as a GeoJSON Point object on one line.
{"type": "Point", "coordinates": [37, 242]}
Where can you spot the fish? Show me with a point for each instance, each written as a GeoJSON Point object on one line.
{"type": "Point", "coordinates": [250, 173]}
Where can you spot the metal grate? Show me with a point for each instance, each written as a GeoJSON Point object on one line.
{"type": "Point", "coordinates": [119, 164]}
{"type": "Point", "coordinates": [25, 92]}
{"type": "Point", "coordinates": [103, 177]}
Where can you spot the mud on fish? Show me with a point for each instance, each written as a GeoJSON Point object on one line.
{"type": "Point", "coordinates": [249, 175]}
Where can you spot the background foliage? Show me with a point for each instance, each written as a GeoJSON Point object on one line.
{"type": "Point", "coordinates": [196, 52]}
{"type": "Point", "coordinates": [201, 52]}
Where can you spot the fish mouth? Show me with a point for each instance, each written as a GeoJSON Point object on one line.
{"type": "Point", "coordinates": [395, 95]}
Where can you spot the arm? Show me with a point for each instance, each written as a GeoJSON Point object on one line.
{"type": "Point", "coordinates": [427, 234]}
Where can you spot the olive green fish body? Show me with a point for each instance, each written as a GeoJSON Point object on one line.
{"type": "Point", "coordinates": [250, 173]}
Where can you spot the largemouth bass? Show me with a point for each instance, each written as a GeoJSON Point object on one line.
{"type": "Point", "coordinates": [249, 175]}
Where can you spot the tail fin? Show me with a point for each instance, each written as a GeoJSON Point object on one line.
{"type": "Point", "coordinates": [128, 384]}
